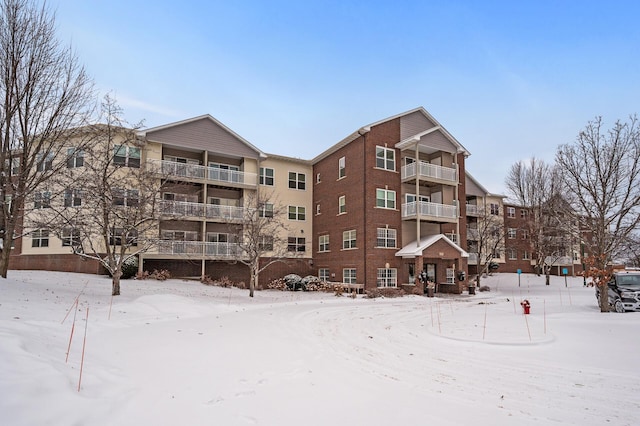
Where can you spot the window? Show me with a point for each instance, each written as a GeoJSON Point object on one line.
{"type": "Point", "coordinates": [342, 171]}
{"type": "Point", "coordinates": [40, 238]}
{"type": "Point", "coordinates": [265, 210]}
{"type": "Point", "coordinates": [512, 254]}
{"type": "Point", "coordinates": [511, 212]}
{"type": "Point", "coordinates": [265, 243]}
{"type": "Point", "coordinates": [323, 274]}
{"type": "Point", "coordinates": [118, 235]}
{"type": "Point", "coordinates": [70, 237]}
{"type": "Point", "coordinates": [318, 208]}
{"type": "Point", "coordinates": [386, 238]}
{"type": "Point", "coordinates": [323, 243]}
{"type": "Point", "coordinates": [349, 275]}
{"type": "Point", "coordinates": [496, 254]}
{"type": "Point", "coordinates": [42, 200]}
{"type": "Point", "coordinates": [385, 199]}
{"type": "Point", "coordinates": [523, 213]}
{"type": "Point", "coordinates": [124, 155]}
{"type": "Point", "coordinates": [511, 233]}
{"type": "Point", "coordinates": [179, 235]}
{"type": "Point", "coordinates": [318, 178]}
{"type": "Point", "coordinates": [296, 244]}
{"type": "Point", "coordinates": [349, 239]}
{"type": "Point", "coordinates": [387, 277]}
{"type": "Point", "coordinates": [297, 180]}
{"type": "Point", "coordinates": [15, 166]}
{"type": "Point", "coordinates": [451, 276]}
{"type": "Point", "coordinates": [75, 158]}
{"type": "Point", "coordinates": [126, 197]}
{"type": "Point", "coordinates": [44, 162]}
{"type": "Point", "coordinates": [297, 213]}
{"type": "Point", "coordinates": [526, 255]}
{"type": "Point", "coordinates": [72, 197]}
{"type": "Point", "coordinates": [385, 158]}
{"type": "Point", "coordinates": [342, 204]}
{"type": "Point", "coordinates": [495, 209]}
{"type": "Point", "coordinates": [266, 176]}
{"type": "Point", "coordinates": [525, 234]}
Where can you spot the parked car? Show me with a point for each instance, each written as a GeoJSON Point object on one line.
{"type": "Point", "coordinates": [624, 291]}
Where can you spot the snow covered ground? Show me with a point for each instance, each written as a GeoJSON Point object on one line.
{"type": "Point", "coordinates": [181, 353]}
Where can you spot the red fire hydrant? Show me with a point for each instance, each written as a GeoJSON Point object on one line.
{"type": "Point", "coordinates": [525, 306]}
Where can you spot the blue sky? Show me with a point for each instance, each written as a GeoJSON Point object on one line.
{"type": "Point", "coordinates": [509, 79]}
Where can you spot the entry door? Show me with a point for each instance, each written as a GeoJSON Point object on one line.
{"type": "Point", "coordinates": [430, 269]}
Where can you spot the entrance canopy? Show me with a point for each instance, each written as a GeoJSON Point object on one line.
{"type": "Point", "coordinates": [417, 248]}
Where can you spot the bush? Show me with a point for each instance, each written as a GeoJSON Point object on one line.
{"type": "Point", "coordinates": [385, 292]}
{"type": "Point", "coordinates": [294, 282]}
{"type": "Point", "coordinates": [484, 288]}
{"type": "Point", "coordinates": [129, 268]}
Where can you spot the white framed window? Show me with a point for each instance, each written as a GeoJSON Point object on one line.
{"type": "Point", "coordinates": [323, 274]}
{"type": "Point", "coordinates": [15, 165]}
{"type": "Point", "coordinates": [126, 197]}
{"type": "Point", "coordinates": [349, 275]}
{"type": "Point", "coordinates": [526, 255]}
{"type": "Point", "coordinates": [44, 162]}
{"type": "Point", "coordinates": [297, 181]}
{"type": "Point", "coordinates": [525, 234]}
{"type": "Point", "coordinates": [72, 197]}
{"type": "Point", "coordinates": [189, 198]}
{"type": "Point", "coordinates": [385, 199]}
{"type": "Point", "coordinates": [523, 213]}
{"type": "Point", "coordinates": [342, 204]}
{"type": "Point", "coordinates": [511, 212]}
{"type": "Point", "coordinates": [40, 238]}
{"type": "Point", "coordinates": [128, 156]}
{"type": "Point", "coordinates": [297, 213]}
{"type": "Point", "coordinates": [511, 233]}
{"type": "Point", "coordinates": [323, 243]}
{"type": "Point", "coordinates": [512, 254]}
{"type": "Point", "coordinates": [495, 209]}
{"type": "Point", "coordinates": [175, 235]}
{"type": "Point", "coordinates": [342, 170]}
{"type": "Point", "coordinates": [385, 158]}
{"type": "Point", "coordinates": [70, 237]}
{"type": "Point", "coordinates": [318, 178]}
{"type": "Point", "coordinates": [387, 277]}
{"type": "Point", "coordinates": [265, 210]}
{"type": "Point", "coordinates": [296, 244]}
{"type": "Point", "coordinates": [75, 158]}
{"type": "Point", "coordinates": [451, 276]}
{"type": "Point", "coordinates": [349, 239]}
{"type": "Point", "coordinates": [265, 243]}
{"type": "Point", "coordinates": [267, 176]}
{"type": "Point", "coordinates": [318, 208]}
{"type": "Point", "coordinates": [386, 238]}
{"type": "Point", "coordinates": [118, 235]}
{"type": "Point", "coordinates": [42, 200]}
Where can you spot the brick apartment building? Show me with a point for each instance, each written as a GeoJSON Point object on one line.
{"type": "Point", "coordinates": [389, 201]}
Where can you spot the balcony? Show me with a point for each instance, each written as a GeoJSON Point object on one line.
{"type": "Point", "coordinates": [428, 211]}
{"type": "Point", "coordinates": [201, 211]}
{"type": "Point", "coordinates": [203, 174]}
{"type": "Point", "coordinates": [472, 210]}
{"type": "Point", "coordinates": [430, 173]}
{"type": "Point", "coordinates": [199, 249]}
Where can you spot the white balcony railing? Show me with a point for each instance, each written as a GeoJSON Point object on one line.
{"type": "Point", "coordinates": [472, 210]}
{"type": "Point", "coordinates": [200, 249]}
{"type": "Point", "coordinates": [429, 209]}
{"type": "Point", "coordinates": [213, 174]}
{"type": "Point", "coordinates": [201, 210]}
{"type": "Point", "coordinates": [429, 171]}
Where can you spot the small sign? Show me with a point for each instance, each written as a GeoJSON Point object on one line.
{"type": "Point", "coordinates": [565, 271]}
{"type": "Point", "coordinates": [519, 271]}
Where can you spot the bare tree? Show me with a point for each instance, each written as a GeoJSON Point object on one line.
{"type": "Point", "coordinates": [534, 186]}
{"type": "Point", "coordinates": [262, 236]}
{"type": "Point", "coordinates": [108, 211]}
{"type": "Point", "coordinates": [601, 177]}
{"type": "Point", "coordinates": [44, 92]}
{"type": "Point", "coordinates": [487, 236]}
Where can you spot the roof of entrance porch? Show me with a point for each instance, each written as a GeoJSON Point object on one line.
{"type": "Point", "coordinates": [436, 246]}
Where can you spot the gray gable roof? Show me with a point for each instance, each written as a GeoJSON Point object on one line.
{"type": "Point", "coordinates": [203, 133]}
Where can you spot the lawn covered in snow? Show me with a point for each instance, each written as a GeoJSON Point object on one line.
{"type": "Point", "coordinates": [182, 353]}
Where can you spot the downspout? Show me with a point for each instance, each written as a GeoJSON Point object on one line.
{"type": "Point", "coordinates": [363, 133]}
